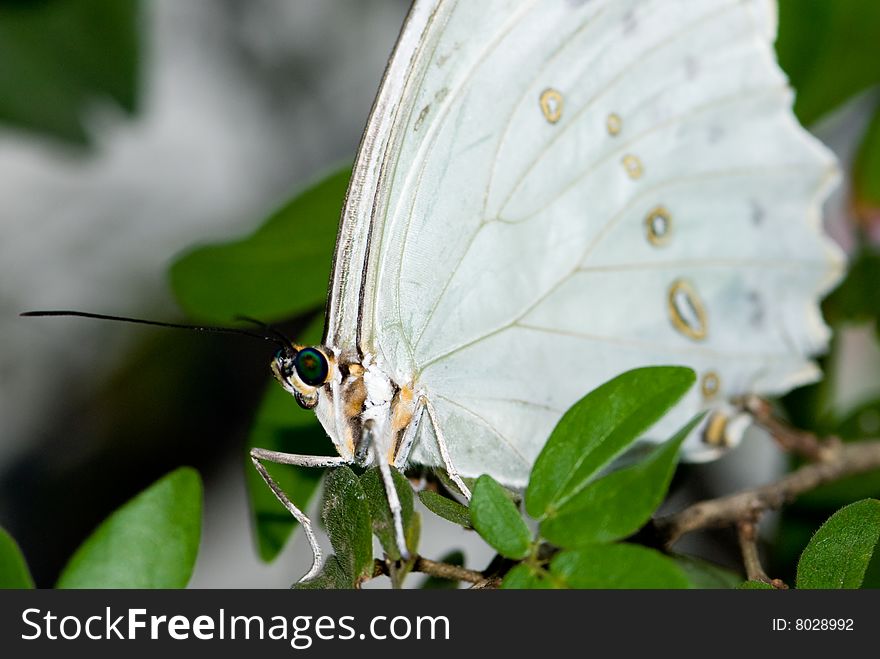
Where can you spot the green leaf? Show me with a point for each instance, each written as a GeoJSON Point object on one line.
{"type": "Point", "coordinates": [705, 575]}
{"type": "Point", "coordinates": [527, 577]}
{"type": "Point", "coordinates": [754, 584]}
{"type": "Point", "coordinates": [280, 271]}
{"type": "Point", "coordinates": [380, 511]}
{"type": "Point", "coordinates": [14, 571]}
{"type": "Point", "coordinates": [840, 551]}
{"type": "Point", "coordinates": [598, 428]}
{"type": "Point", "coordinates": [443, 477]}
{"type": "Point", "coordinates": [400, 569]}
{"type": "Point", "coordinates": [59, 58]}
{"type": "Point", "coordinates": [281, 425]}
{"type": "Point", "coordinates": [150, 542]}
{"type": "Point", "coordinates": [332, 576]}
{"type": "Point", "coordinates": [618, 504]}
{"type": "Point", "coordinates": [617, 566]}
{"type": "Point", "coordinates": [829, 51]}
{"type": "Point", "coordinates": [346, 517]}
{"type": "Point", "coordinates": [446, 508]}
{"type": "Point", "coordinates": [866, 171]}
{"type": "Point", "coordinates": [497, 520]}
{"type": "Point", "coordinates": [436, 583]}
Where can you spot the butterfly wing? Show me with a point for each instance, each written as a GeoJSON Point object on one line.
{"type": "Point", "coordinates": [550, 193]}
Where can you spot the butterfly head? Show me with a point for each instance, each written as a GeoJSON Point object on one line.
{"type": "Point", "coordinates": [302, 372]}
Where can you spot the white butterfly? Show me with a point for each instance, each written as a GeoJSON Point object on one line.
{"type": "Point", "coordinates": [549, 193]}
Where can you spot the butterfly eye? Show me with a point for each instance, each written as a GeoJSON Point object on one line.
{"type": "Point", "coordinates": [311, 366]}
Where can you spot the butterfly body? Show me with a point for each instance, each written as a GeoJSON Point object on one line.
{"type": "Point", "coordinates": [357, 402]}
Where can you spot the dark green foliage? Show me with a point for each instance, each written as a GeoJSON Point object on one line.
{"type": "Point", "coordinates": [280, 271]}
{"type": "Point", "coordinates": [383, 522]}
{"type": "Point", "coordinates": [618, 504]}
{"type": "Point", "coordinates": [446, 508]}
{"type": "Point", "coordinates": [280, 425]}
{"type": "Point", "coordinates": [346, 516]}
{"type": "Point", "coordinates": [60, 57]}
{"type": "Point", "coordinates": [597, 429]}
{"type": "Point", "coordinates": [496, 518]}
{"type": "Point", "coordinates": [828, 50]}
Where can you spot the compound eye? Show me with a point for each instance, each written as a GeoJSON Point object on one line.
{"type": "Point", "coordinates": [311, 366]}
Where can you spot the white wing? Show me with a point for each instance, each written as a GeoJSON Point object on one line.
{"type": "Point", "coordinates": [553, 192]}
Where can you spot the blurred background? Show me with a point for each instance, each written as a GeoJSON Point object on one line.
{"type": "Point", "coordinates": [132, 131]}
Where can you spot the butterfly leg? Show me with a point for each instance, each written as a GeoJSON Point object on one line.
{"type": "Point", "coordinates": [373, 440]}
{"type": "Point", "coordinates": [444, 449]}
{"type": "Point", "coordinates": [258, 455]}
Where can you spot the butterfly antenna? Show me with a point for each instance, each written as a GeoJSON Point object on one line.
{"type": "Point", "coordinates": [283, 343]}
{"type": "Point", "coordinates": [269, 328]}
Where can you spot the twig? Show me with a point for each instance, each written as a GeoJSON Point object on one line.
{"type": "Point", "coordinates": [793, 440]}
{"type": "Point", "coordinates": [846, 460]}
{"type": "Point", "coordinates": [488, 583]}
{"type": "Point", "coordinates": [748, 543]}
{"type": "Point", "coordinates": [447, 571]}
{"type": "Point", "coordinates": [435, 569]}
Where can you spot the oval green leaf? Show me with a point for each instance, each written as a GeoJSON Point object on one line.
{"type": "Point", "coordinates": [346, 517]}
{"type": "Point", "coordinates": [617, 566]}
{"type": "Point", "coordinates": [840, 551]}
{"type": "Point", "coordinates": [280, 271]}
{"type": "Point", "coordinates": [497, 520]}
{"type": "Point", "coordinates": [526, 577]}
{"type": "Point", "coordinates": [618, 504]}
{"type": "Point", "coordinates": [446, 508]}
{"type": "Point", "coordinates": [150, 542]}
{"type": "Point", "coordinates": [14, 572]}
{"type": "Point", "coordinates": [598, 428]}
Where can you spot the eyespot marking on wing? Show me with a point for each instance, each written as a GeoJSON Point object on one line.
{"type": "Point", "coordinates": [633, 166]}
{"type": "Point", "coordinates": [614, 124]}
{"type": "Point", "coordinates": [686, 311]}
{"type": "Point", "coordinates": [551, 105]}
{"type": "Point", "coordinates": [658, 226]}
{"type": "Point", "coordinates": [710, 385]}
